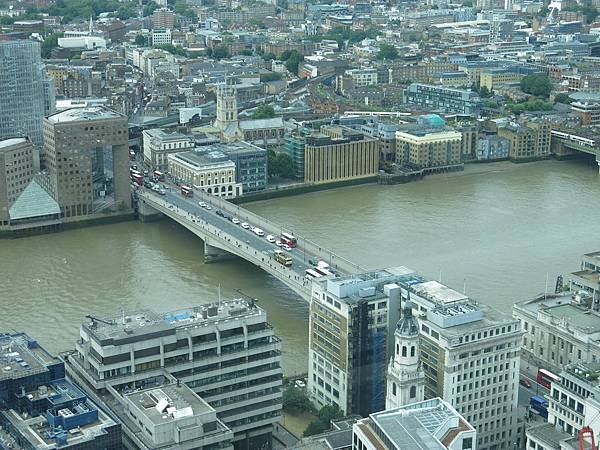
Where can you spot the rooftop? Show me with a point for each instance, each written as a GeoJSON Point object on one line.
{"type": "Point", "coordinates": [21, 355]}
{"type": "Point", "coordinates": [257, 124]}
{"type": "Point", "coordinates": [34, 201]}
{"type": "Point", "coordinates": [168, 403]}
{"type": "Point", "coordinates": [12, 141]}
{"type": "Point", "coordinates": [84, 114]}
{"type": "Point", "coordinates": [439, 293]}
{"type": "Point", "coordinates": [203, 159]}
{"type": "Point", "coordinates": [548, 434]}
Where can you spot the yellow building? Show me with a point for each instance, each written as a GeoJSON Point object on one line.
{"type": "Point", "coordinates": [493, 78]}
{"type": "Point", "coordinates": [339, 153]}
{"type": "Point", "coordinates": [428, 148]}
{"type": "Point", "coordinates": [529, 140]}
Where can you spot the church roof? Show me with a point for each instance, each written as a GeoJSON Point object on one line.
{"type": "Point", "coordinates": [408, 324]}
{"type": "Point", "coordinates": [256, 124]}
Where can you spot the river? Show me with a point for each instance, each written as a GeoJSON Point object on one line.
{"type": "Point", "coordinates": [500, 230]}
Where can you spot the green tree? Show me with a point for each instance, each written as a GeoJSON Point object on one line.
{"type": "Point", "coordinates": [295, 400]}
{"type": "Point", "coordinates": [182, 9]}
{"type": "Point", "coordinates": [322, 423]}
{"type": "Point", "coordinates": [269, 56]}
{"type": "Point", "coordinates": [125, 12]}
{"type": "Point", "coordinates": [172, 49]}
{"type": "Point", "coordinates": [149, 9]}
{"type": "Point", "coordinates": [537, 84]}
{"type": "Point", "coordinates": [563, 98]}
{"type": "Point", "coordinates": [220, 52]}
{"type": "Point", "coordinates": [140, 40]}
{"type": "Point", "coordinates": [387, 51]}
{"type": "Point", "coordinates": [272, 76]}
{"type": "Point", "coordinates": [49, 43]}
{"type": "Point", "coordinates": [292, 60]}
{"type": "Point", "coordinates": [264, 112]}
{"type": "Point", "coordinates": [245, 51]}
{"type": "Point", "coordinates": [280, 165]}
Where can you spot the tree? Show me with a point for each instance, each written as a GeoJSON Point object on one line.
{"type": "Point", "coordinates": [172, 49]}
{"type": "Point", "coordinates": [295, 400]}
{"type": "Point", "coordinates": [149, 9]}
{"type": "Point", "coordinates": [563, 98]}
{"type": "Point", "coordinates": [49, 43]}
{"type": "Point", "coordinates": [537, 84]}
{"type": "Point", "coordinates": [269, 56]}
{"type": "Point", "coordinates": [292, 60]}
{"type": "Point", "coordinates": [387, 51]}
{"type": "Point", "coordinates": [245, 52]}
{"type": "Point", "coordinates": [181, 8]}
{"type": "Point", "coordinates": [220, 52]}
{"type": "Point", "coordinates": [264, 112]}
{"type": "Point", "coordinates": [140, 40]}
{"type": "Point", "coordinates": [272, 76]}
{"type": "Point", "coordinates": [280, 165]}
{"type": "Point", "coordinates": [125, 12]}
{"type": "Point", "coordinates": [322, 423]}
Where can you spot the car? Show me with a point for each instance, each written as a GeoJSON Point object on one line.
{"type": "Point", "coordinates": [278, 243]}
{"type": "Point", "coordinates": [235, 220]}
{"type": "Point", "coordinates": [134, 167]}
{"type": "Point", "coordinates": [145, 173]}
{"type": "Point", "coordinates": [300, 384]}
{"type": "Point", "coordinates": [524, 382]}
{"type": "Point", "coordinates": [287, 247]}
{"type": "Point", "coordinates": [220, 213]}
{"type": "Point", "coordinates": [208, 207]}
{"type": "Point", "coordinates": [313, 262]}
{"type": "Point", "coordinates": [202, 204]}
{"type": "Point", "coordinates": [258, 231]}
{"type": "Point", "coordinates": [162, 192]}
{"type": "Point", "coordinates": [148, 184]}
{"type": "Point", "coordinates": [245, 226]}
{"type": "Point", "coordinates": [270, 238]}
{"type": "Point", "coordinates": [155, 188]}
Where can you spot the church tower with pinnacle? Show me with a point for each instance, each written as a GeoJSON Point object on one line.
{"type": "Point", "coordinates": [405, 376]}
{"type": "Point", "coordinates": [227, 113]}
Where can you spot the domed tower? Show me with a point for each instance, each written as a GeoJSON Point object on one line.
{"type": "Point", "coordinates": [405, 377]}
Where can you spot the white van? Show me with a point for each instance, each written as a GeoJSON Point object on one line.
{"type": "Point", "coordinates": [258, 232]}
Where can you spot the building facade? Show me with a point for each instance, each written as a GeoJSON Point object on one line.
{"type": "Point", "coordinates": [16, 171]}
{"type": "Point", "coordinates": [158, 144]}
{"type": "Point", "coordinates": [450, 100]}
{"type": "Point", "coordinates": [26, 93]}
{"type": "Point", "coordinates": [339, 153]}
{"type": "Point", "coordinates": [429, 424]}
{"type": "Point", "coordinates": [225, 352]}
{"type": "Point", "coordinates": [528, 140]}
{"type": "Point", "coordinates": [428, 147]}
{"type": "Point", "coordinates": [588, 110]}
{"type": "Point", "coordinates": [87, 157]}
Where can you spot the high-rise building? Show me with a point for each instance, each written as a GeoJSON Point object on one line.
{"type": "Point", "coordinates": [431, 424]}
{"type": "Point", "coordinates": [405, 377]}
{"type": "Point", "coordinates": [16, 171]}
{"type": "Point", "coordinates": [26, 93]}
{"type": "Point", "coordinates": [40, 409]}
{"type": "Point", "coordinates": [87, 158]}
{"type": "Point", "coordinates": [226, 352]}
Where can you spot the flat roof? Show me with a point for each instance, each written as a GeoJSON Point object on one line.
{"type": "Point", "coordinates": [584, 319]}
{"type": "Point", "coordinates": [168, 403]}
{"type": "Point", "coordinates": [21, 355]}
{"type": "Point", "coordinates": [548, 434]}
{"type": "Point", "coordinates": [12, 141]}
{"type": "Point", "coordinates": [439, 293]}
{"type": "Point", "coordinates": [83, 114]}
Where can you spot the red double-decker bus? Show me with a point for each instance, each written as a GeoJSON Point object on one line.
{"type": "Point", "coordinates": [288, 239]}
{"type": "Point", "coordinates": [546, 378]}
{"type": "Point", "coordinates": [187, 191]}
{"type": "Point", "coordinates": [159, 175]}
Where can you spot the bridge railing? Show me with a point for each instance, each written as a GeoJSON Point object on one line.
{"type": "Point", "coordinates": [270, 227]}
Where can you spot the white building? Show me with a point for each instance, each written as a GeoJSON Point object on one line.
{"type": "Point", "coordinates": [86, 42]}
{"type": "Point", "coordinates": [210, 171]}
{"type": "Point", "coordinates": [362, 77]}
{"type": "Point", "coordinates": [226, 352]}
{"type": "Point", "coordinates": [405, 377]}
{"type": "Point", "coordinates": [431, 424]}
{"type": "Point", "coordinates": [161, 36]}
{"type": "Point", "coordinates": [158, 144]}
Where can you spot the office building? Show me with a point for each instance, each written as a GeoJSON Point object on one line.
{"type": "Point", "coordinates": [428, 147]}
{"type": "Point", "coordinates": [470, 356]}
{"type": "Point", "coordinates": [26, 94]}
{"type": "Point", "coordinates": [209, 171]}
{"type": "Point", "coordinates": [163, 18]}
{"type": "Point", "coordinates": [559, 329]}
{"type": "Point", "coordinates": [158, 144]}
{"type": "Point", "coordinates": [494, 77]}
{"type": "Point", "coordinates": [442, 98]}
{"type": "Point", "coordinates": [40, 409]}
{"type": "Point", "coordinates": [339, 153]}
{"type": "Point", "coordinates": [250, 164]}
{"type": "Point", "coordinates": [405, 377]}
{"type": "Point", "coordinates": [16, 171]}
{"type": "Point", "coordinates": [493, 147]}
{"type": "Point", "coordinates": [587, 279]}
{"type": "Point", "coordinates": [573, 406]}
{"type": "Point", "coordinates": [431, 424]}
{"type": "Point", "coordinates": [87, 158]}
{"type": "Point", "coordinates": [352, 324]}
{"type": "Point", "coordinates": [362, 77]}
{"type": "Point", "coordinates": [225, 352]}
{"type": "Point", "coordinates": [161, 36]}
{"type": "Point", "coordinates": [172, 416]}
{"type": "Point", "coordinates": [587, 108]}
{"type": "Point", "coordinates": [295, 142]}
{"type": "Point", "coordinates": [528, 140]}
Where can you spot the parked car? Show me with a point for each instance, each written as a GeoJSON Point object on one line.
{"type": "Point", "coordinates": [235, 220]}
{"type": "Point", "coordinates": [271, 238]}
{"type": "Point", "coordinates": [278, 243]}
{"type": "Point", "coordinates": [245, 226]}
{"type": "Point", "coordinates": [208, 207]}
{"type": "Point", "coordinates": [258, 232]}
{"type": "Point", "coordinates": [287, 247]}
{"type": "Point", "coordinates": [202, 204]}
{"type": "Point", "coordinates": [162, 192]}
{"type": "Point", "coordinates": [313, 262]}
{"type": "Point", "coordinates": [220, 213]}
{"type": "Point", "coordinates": [524, 382]}
{"type": "Point", "coordinates": [300, 384]}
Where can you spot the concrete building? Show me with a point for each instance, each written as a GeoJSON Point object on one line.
{"type": "Point", "coordinates": [587, 279]}
{"type": "Point", "coordinates": [494, 77]}
{"type": "Point", "coordinates": [339, 153]}
{"type": "Point", "coordinates": [431, 424]}
{"type": "Point", "coordinates": [427, 147]}
{"type": "Point", "coordinates": [16, 171]}
{"type": "Point", "coordinates": [446, 99]}
{"type": "Point", "coordinates": [163, 18]}
{"type": "Point", "coordinates": [158, 144]}
{"type": "Point", "coordinates": [26, 93]}
{"type": "Point", "coordinates": [227, 112]}
{"type": "Point", "coordinates": [250, 164]}
{"type": "Point", "coordinates": [225, 352]}
{"type": "Point", "coordinates": [362, 77]}
{"type": "Point", "coordinates": [172, 416]}
{"type": "Point", "coordinates": [559, 329]}
{"type": "Point", "coordinates": [40, 409]}
{"type": "Point", "coordinates": [210, 171]}
{"type": "Point", "coordinates": [87, 158]}
{"type": "Point", "coordinates": [405, 377]}
{"type": "Point", "coordinates": [528, 140]}
{"type": "Point", "coordinates": [470, 356]}
{"type": "Point", "coordinates": [352, 324]}
{"type": "Point", "coordinates": [161, 36]}
{"type": "Point", "coordinates": [493, 147]}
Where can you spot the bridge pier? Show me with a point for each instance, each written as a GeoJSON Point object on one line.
{"type": "Point", "coordinates": [147, 213]}
{"type": "Point", "coordinates": [215, 254]}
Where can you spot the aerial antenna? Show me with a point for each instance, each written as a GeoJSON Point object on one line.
{"type": "Point", "coordinates": [465, 285]}
{"type": "Point", "coordinates": [219, 290]}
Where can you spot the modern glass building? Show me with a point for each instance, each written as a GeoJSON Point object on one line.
{"type": "Point", "coordinates": [26, 93]}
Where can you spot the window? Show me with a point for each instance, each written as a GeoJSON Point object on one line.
{"type": "Point", "coordinates": [412, 350]}
{"type": "Point", "coordinates": [413, 391]}
{"type": "Point", "coordinates": [404, 350]}
{"type": "Point", "coordinates": [393, 388]}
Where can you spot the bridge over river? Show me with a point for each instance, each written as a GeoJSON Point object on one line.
{"type": "Point", "coordinates": [223, 239]}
